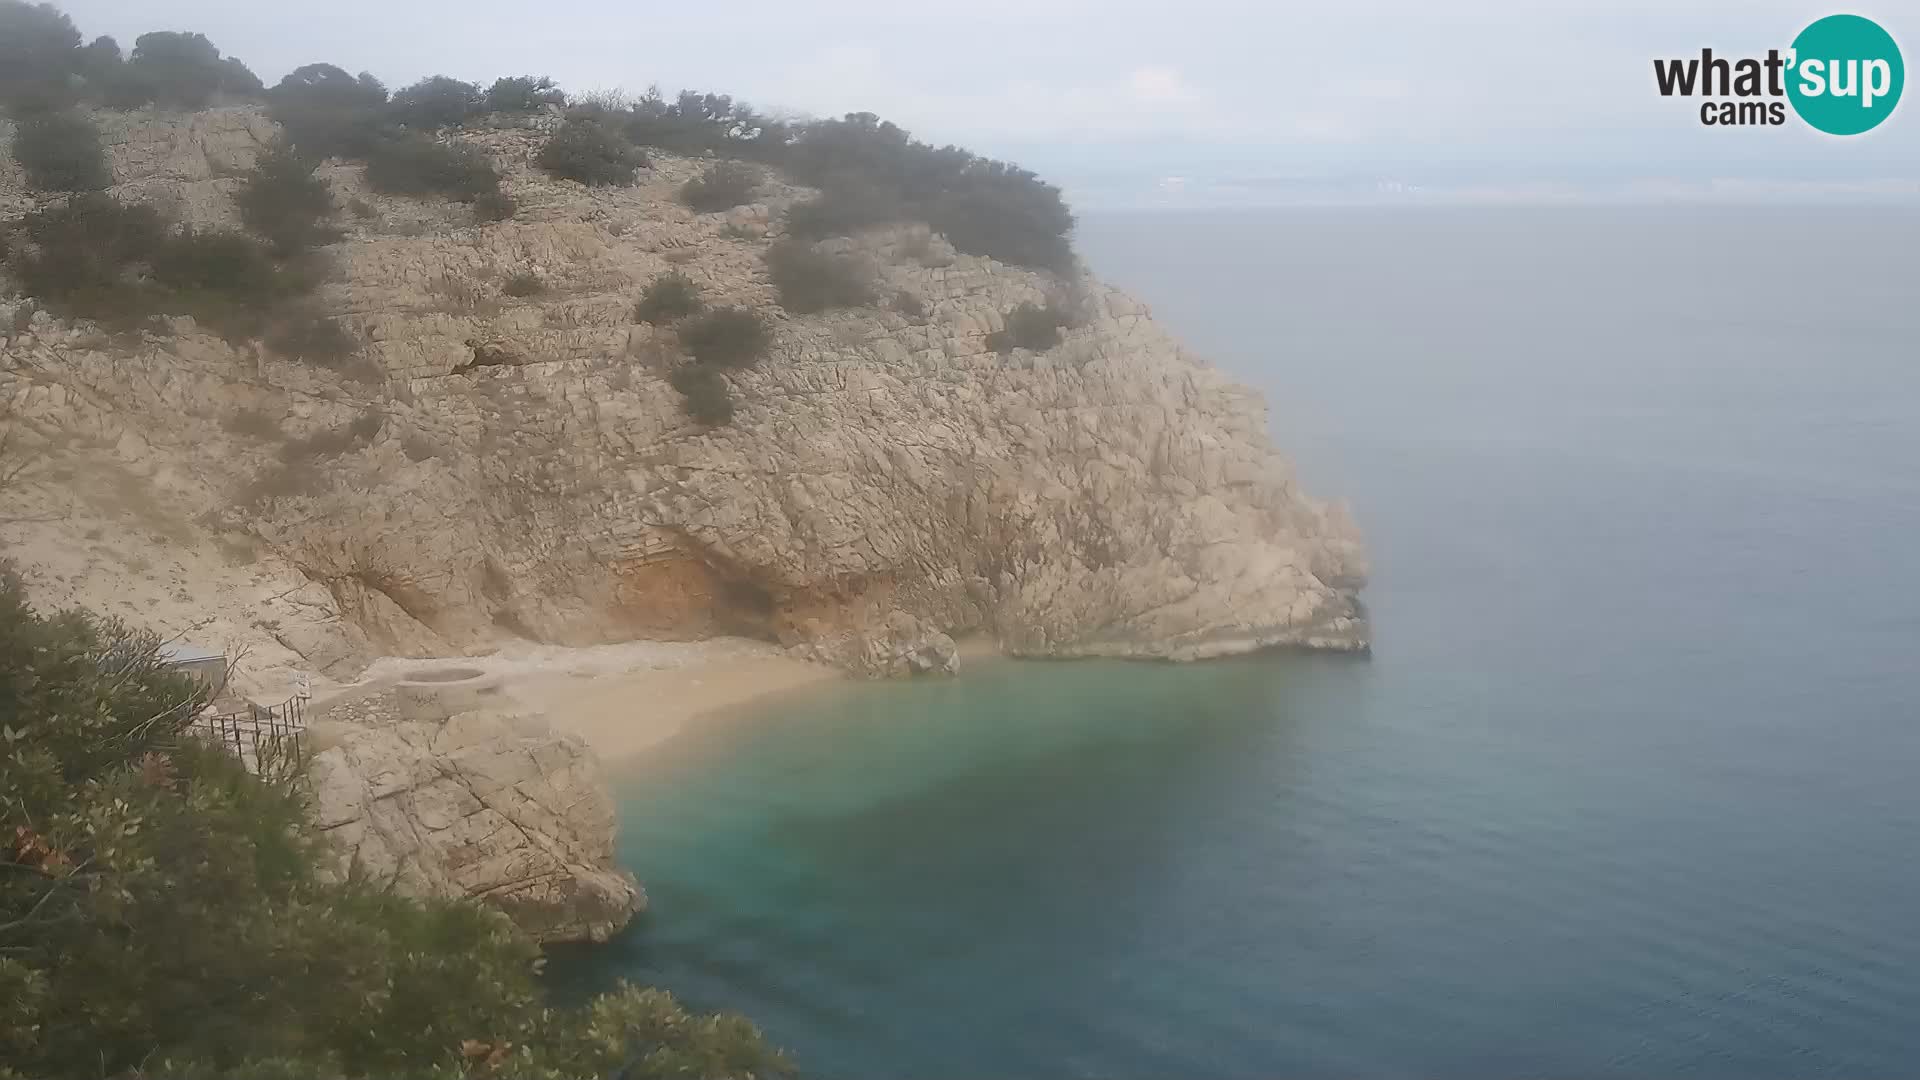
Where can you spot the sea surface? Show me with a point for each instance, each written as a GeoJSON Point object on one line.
{"type": "Point", "coordinates": [1630, 786]}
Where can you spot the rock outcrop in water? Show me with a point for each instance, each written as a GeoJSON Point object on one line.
{"type": "Point", "coordinates": [519, 465]}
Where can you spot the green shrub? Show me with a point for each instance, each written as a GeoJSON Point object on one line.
{"type": "Point", "coordinates": [704, 394]}
{"type": "Point", "coordinates": [60, 151]}
{"type": "Point", "coordinates": [230, 263]}
{"type": "Point", "coordinates": [694, 123]}
{"type": "Point", "coordinates": [315, 339]}
{"type": "Point", "coordinates": [94, 258]}
{"type": "Point", "coordinates": [909, 304]}
{"type": "Point", "coordinates": [436, 102]}
{"type": "Point", "coordinates": [847, 205]}
{"type": "Point", "coordinates": [283, 201]}
{"type": "Point", "coordinates": [99, 65]}
{"type": "Point", "coordinates": [984, 207]}
{"type": "Point", "coordinates": [1005, 213]}
{"type": "Point", "coordinates": [524, 284]}
{"type": "Point", "coordinates": [722, 187]}
{"type": "Point", "coordinates": [39, 49]}
{"type": "Point", "coordinates": [179, 70]}
{"type": "Point", "coordinates": [496, 205]}
{"type": "Point", "coordinates": [162, 913]}
{"type": "Point", "coordinates": [363, 209]}
{"type": "Point", "coordinates": [669, 296]}
{"type": "Point", "coordinates": [226, 280]}
{"type": "Point", "coordinates": [730, 337]}
{"type": "Point", "coordinates": [523, 94]}
{"type": "Point", "coordinates": [811, 280]}
{"type": "Point", "coordinates": [81, 258]}
{"type": "Point", "coordinates": [589, 149]}
{"type": "Point", "coordinates": [326, 112]}
{"type": "Point", "coordinates": [418, 166]}
{"type": "Point", "coordinates": [1029, 326]}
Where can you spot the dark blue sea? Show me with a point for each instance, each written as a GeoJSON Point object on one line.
{"type": "Point", "coordinates": [1630, 786]}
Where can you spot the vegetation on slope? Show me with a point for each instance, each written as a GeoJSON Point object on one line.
{"type": "Point", "coordinates": [870, 172]}
{"type": "Point", "coordinates": [162, 912]}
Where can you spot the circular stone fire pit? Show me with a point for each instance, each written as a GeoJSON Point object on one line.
{"type": "Point", "coordinates": [437, 693]}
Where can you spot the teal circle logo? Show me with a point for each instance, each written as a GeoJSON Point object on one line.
{"type": "Point", "coordinates": [1846, 75]}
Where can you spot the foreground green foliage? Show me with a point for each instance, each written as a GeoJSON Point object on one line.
{"type": "Point", "coordinates": [161, 914]}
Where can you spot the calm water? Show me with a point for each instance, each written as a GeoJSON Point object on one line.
{"type": "Point", "coordinates": [1627, 789]}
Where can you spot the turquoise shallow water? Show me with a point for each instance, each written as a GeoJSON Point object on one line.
{"type": "Point", "coordinates": [1627, 788]}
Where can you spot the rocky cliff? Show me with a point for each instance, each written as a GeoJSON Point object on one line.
{"type": "Point", "coordinates": [432, 787]}
{"type": "Point", "coordinates": [517, 465]}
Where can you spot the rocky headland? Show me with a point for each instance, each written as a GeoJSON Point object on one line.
{"type": "Point", "coordinates": [504, 458]}
{"type": "Point", "coordinates": [523, 470]}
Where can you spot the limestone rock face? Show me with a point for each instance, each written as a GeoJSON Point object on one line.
{"type": "Point", "coordinates": [474, 803]}
{"type": "Point", "coordinates": [889, 480]}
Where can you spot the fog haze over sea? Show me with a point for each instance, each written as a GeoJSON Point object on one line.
{"type": "Point", "coordinates": [1627, 788]}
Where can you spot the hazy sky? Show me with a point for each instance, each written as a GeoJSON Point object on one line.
{"type": "Point", "coordinates": [1123, 99]}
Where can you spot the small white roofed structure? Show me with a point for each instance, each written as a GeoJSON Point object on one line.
{"type": "Point", "coordinates": [206, 666]}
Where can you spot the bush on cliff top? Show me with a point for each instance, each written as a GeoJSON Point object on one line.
{"type": "Point", "coordinates": [326, 112]}
{"type": "Point", "coordinates": [436, 102]}
{"type": "Point", "coordinates": [523, 94]}
{"type": "Point", "coordinates": [869, 171]}
{"type": "Point", "coordinates": [39, 57]}
{"type": "Point", "coordinates": [984, 207]}
{"type": "Point", "coordinates": [178, 71]}
{"type": "Point", "coordinates": [162, 913]}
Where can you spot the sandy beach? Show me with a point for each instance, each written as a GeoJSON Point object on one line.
{"type": "Point", "coordinates": [623, 714]}
{"type": "Point", "coordinates": [622, 699]}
